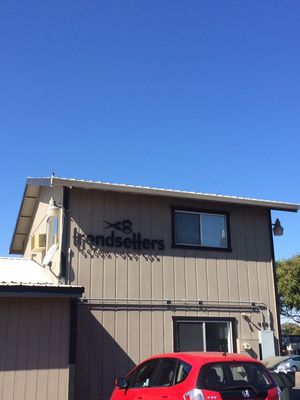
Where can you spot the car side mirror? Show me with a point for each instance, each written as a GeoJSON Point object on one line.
{"type": "Point", "coordinates": [122, 383]}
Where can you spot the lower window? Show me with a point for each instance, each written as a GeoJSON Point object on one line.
{"type": "Point", "coordinates": [202, 335]}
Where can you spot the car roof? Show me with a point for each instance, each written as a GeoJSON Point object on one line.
{"type": "Point", "coordinates": [204, 357]}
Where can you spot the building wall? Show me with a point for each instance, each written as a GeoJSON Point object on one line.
{"type": "Point", "coordinates": [39, 227]}
{"type": "Point", "coordinates": [110, 341]}
{"type": "Point", "coordinates": [34, 349]}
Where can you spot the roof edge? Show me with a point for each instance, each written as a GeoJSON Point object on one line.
{"type": "Point", "coordinates": [59, 291]}
{"type": "Point", "coordinates": [123, 188]}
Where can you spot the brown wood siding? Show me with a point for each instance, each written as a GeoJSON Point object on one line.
{"type": "Point", "coordinates": [243, 275]}
{"type": "Point", "coordinates": [34, 349]}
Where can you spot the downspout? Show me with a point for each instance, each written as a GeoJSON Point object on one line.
{"type": "Point", "coordinates": [64, 257]}
{"type": "Point", "coordinates": [275, 284]}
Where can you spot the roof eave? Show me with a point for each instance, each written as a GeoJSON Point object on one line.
{"type": "Point", "coordinates": [53, 181]}
{"type": "Point", "coordinates": [20, 290]}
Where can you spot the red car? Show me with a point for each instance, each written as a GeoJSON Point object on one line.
{"type": "Point", "coordinates": [197, 376]}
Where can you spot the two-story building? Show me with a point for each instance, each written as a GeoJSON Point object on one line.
{"type": "Point", "coordinates": [162, 271]}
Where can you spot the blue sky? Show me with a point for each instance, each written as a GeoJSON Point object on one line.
{"type": "Point", "coordinates": [196, 95]}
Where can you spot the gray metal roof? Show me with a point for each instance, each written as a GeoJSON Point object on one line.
{"type": "Point", "coordinates": [28, 278]}
{"type": "Point", "coordinates": [15, 271]}
{"type": "Point", "coordinates": [33, 185]}
{"type": "Point", "coordinates": [84, 184]}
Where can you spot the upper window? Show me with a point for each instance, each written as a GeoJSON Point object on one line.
{"type": "Point", "coordinates": [200, 229]}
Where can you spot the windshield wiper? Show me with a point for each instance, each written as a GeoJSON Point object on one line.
{"type": "Point", "coordinates": [241, 387]}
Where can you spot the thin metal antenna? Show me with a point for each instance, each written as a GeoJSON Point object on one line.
{"type": "Point", "coordinates": [51, 180]}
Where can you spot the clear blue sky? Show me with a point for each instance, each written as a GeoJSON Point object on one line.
{"type": "Point", "coordinates": [196, 95]}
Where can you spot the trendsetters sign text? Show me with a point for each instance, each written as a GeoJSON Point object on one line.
{"type": "Point", "coordinates": [123, 238]}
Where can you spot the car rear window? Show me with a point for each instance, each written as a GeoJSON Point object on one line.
{"type": "Point", "coordinates": [234, 375]}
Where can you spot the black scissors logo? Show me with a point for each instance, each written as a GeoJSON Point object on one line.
{"type": "Point", "coordinates": [124, 226]}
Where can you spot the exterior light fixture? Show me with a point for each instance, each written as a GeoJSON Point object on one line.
{"type": "Point", "coordinates": [277, 228]}
{"type": "Point", "coordinates": [52, 210]}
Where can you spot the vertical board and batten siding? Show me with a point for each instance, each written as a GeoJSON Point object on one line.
{"type": "Point", "coordinates": [34, 349]}
{"type": "Point", "coordinates": [128, 336]}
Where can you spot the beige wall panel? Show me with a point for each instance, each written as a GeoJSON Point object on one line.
{"type": "Point", "coordinates": [168, 259]}
{"type": "Point", "coordinates": [121, 277]}
{"type": "Point", "coordinates": [222, 276]}
{"type": "Point", "coordinates": [121, 337]}
{"type": "Point", "coordinates": [251, 234]}
{"type": "Point", "coordinates": [144, 227]}
{"type": "Point", "coordinates": [212, 277]}
{"type": "Point", "coordinates": [201, 277]}
{"type": "Point", "coordinates": [63, 373]}
{"type": "Point", "coordinates": [109, 351]}
{"type": "Point", "coordinates": [168, 332]}
{"type": "Point", "coordinates": [179, 275]}
{"type": "Point", "coordinates": [157, 231]}
{"type": "Point", "coordinates": [85, 259]}
{"type": "Point", "coordinates": [190, 276]}
{"type": "Point", "coordinates": [145, 335]}
{"type": "Point", "coordinates": [84, 348]}
{"type": "Point", "coordinates": [132, 213]}
{"type": "Point", "coordinates": [10, 351]}
{"type": "Point", "coordinates": [97, 261]}
{"type": "Point", "coordinates": [29, 359]}
{"type": "Point", "coordinates": [145, 278]}
{"type": "Point", "coordinates": [134, 335]}
{"type": "Point", "coordinates": [233, 280]}
{"type": "Point", "coordinates": [22, 350]}
{"type": "Point", "coordinates": [168, 277]}
{"type": "Point", "coordinates": [122, 267]}
{"type": "Point", "coordinates": [93, 378]}
{"type": "Point", "coordinates": [109, 273]}
{"type": "Point", "coordinates": [157, 332]}
{"type": "Point", "coordinates": [133, 277]}
{"type": "Point", "coordinates": [43, 356]}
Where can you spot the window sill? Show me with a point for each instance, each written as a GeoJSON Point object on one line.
{"type": "Point", "coordinates": [207, 248]}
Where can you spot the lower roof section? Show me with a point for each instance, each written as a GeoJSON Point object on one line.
{"type": "Point", "coordinates": [20, 277]}
{"type": "Point", "coordinates": [59, 291]}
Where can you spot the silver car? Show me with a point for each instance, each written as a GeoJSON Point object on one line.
{"type": "Point", "coordinates": [283, 364]}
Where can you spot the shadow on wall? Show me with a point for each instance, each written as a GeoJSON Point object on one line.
{"type": "Point", "coordinates": [34, 334]}
{"type": "Point", "coordinates": [99, 359]}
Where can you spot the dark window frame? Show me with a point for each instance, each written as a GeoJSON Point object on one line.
{"type": "Point", "coordinates": [199, 211]}
{"type": "Point", "coordinates": [177, 320]}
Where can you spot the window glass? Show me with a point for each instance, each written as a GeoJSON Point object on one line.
{"type": "Point", "coordinates": [52, 231]}
{"type": "Point", "coordinates": [144, 374]}
{"type": "Point", "coordinates": [213, 230]}
{"type": "Point", "coordinates": [200, 229]}
{"type": "Point", "coordinates": [216, 336]}
{"type": "Point", "coordinates": [190, 336]}
{"type": "Point", "coordinates": [182, 371]}
{"type": "Point", "coordinates": [233, 375]}
{"type": "Point", "coordinates": [187, 228]}
{"type": "Point", "coordinates": [166, 372]}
